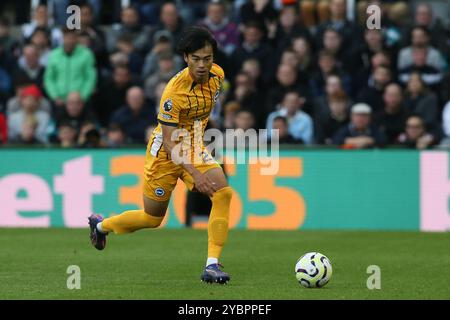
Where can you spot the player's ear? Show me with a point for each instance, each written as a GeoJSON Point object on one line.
{"type": "Point", "coordinates": [185, 56]}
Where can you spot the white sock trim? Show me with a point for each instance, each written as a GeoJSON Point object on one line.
{"type": "Point", "coordinates": [99, 227]}
{"type": "Point", "coordinates": [212, 261]}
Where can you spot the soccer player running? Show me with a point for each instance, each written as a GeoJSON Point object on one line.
{"type": "Point", "coordinates": [186, 104]}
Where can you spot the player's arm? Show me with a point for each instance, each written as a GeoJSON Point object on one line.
{"type": "Point", "coordinates": [202, 182]}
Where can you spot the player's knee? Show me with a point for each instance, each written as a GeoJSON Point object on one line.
{"type": "Point", "coordinates": [223, 194]}
{"type": "Point", "coordinates": [153, 221]}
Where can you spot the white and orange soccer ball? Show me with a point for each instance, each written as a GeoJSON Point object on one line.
{"type": "Point", "coordinates": [313, 270]}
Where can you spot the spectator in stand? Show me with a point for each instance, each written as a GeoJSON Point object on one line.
{"type": "Point", "coordinates": [5, 86]}
{"type": "Point", "coordinates": [416, 135]}
{"type": "Point", "coordinates": [148, 10]}
{"type": "Point", "coordinates": [331, 112]}
{"type": "Point", "coordinates": [7, 47]}
{"type": "Point", "coordinates": [60, 9]}
{"type": "Point", "coordinates": [28, 67]}
{"type": "Point", "coordinates": [41, 40]}
{"type": "Point", "coordinates": [287, 80]}
{"type": "Point", "coordinates": [290, 57]}
{"type": "Point", "coordinates": [430, 75]}
{"type": "Point", "coordinates": [419, 100]}
{"type": "Point", "coordinates": [253, 46]}
{"type": "Point", "coordinates": [154, 98]}
{"type": "Point", "coordinates": [424, 17]}
{"type": "Point", "coordinates": [225, 31]}
{"type": "Point", "coordinates": [246, 95]}
{"type": "Point", "coordinates": [135, 116]}
{"type": "Point", "coordinates": [116, 136]}
{"type": "Point", "coordinates": [244, 120]}
{"type": "Point", "coordinates": [280, 123]}
{"type": "Point", "coordinates": [253, 69]}
{"type": "Point", "coordinates": [112, 93]}
{"type": "Point", "coordinates": [27, 134]}
{"type": "Point", "coordinates": [126, 53]}
{"type": "Point", "coordinates": [90, 138]}
{"type": "Point", "coordinates": [373, 95]}
{"type": "Point", "coordinates": [338, 21]}
{"type": "Point", "coordinates": [7, 61]}
{"type": "Point", "coordinates": [162, 45]}
{"type": "Point", "coordinates": [170, 21]}
{"type": "Point", "coordinates": [300, 123]}
{"type": "Point", "coordinates": [345, 59]}
{"type": "Point", "coordinates": [360, 133]}
{"type": "Point", "coordinates": [302, 48]}
{"type": "Point", "coordinates": [166, 70]}
{"type": "Point", "coordinates": [41, 20]}
{"type": "Point", "coordinates": [67, 135]}
{"type": "Point", "coordinates": [96, 35]}
{"type": "Point", "coordinates": [29, 122]}
{"type": "Point", "coordinates": [364, 78]}
{"type": "Point", "coordinates": [392, 118]}
{"type": "Point", "coordinates": [289, 26]}
{"type": "Point", "coordinates": [8, 42]}
{"type": "Point", "coordinates": [75, 111]}
{"type": "Point", "coordinates": [70, 68]}
{"type": "Point", "coordinates": [229, 113]}
{"type": "Point", "coordinates": [15, 103]}
{"type": "Point", "coordinates": [420, 38]}
{"type": "Point", "coordinates": [130, 27]}
{"type": "Point", "coordinates": [88, 135]}
{"type": "Point", "coordinates": [327, 65]}
{"type": "Point", "coordinates": [373, 44]}
{"type": "Point", "coordinates": [261, 11]}
{"type": "Point", "coordinates": [397, 15]}
{"type": "Point", "coordinates": [3, 129]}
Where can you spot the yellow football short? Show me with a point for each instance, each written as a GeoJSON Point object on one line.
{"type": "Point", "coordinates": [161, 175]}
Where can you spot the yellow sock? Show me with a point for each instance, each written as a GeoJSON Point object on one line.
{"type": "Point", "coordinates": [218, 221]}
{"type": "Point", "coordinates": [130, 221]}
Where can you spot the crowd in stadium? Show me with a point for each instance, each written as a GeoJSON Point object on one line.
{"type": "Point", "coordinates": [298, 66]}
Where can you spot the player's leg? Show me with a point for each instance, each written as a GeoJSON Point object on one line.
{"type": "Point", "coordinates": [126, 222]}
{"type": "Point", "coordinates": [219, 216]}
{"type": "Point", "coordinates": [217, 227]}
{"type": "Point", "coordinates": [160, 178]}
{"type": "Point", "coordinates": [132, 220]}
{"type": "Point", "coordinates": [218, 221]}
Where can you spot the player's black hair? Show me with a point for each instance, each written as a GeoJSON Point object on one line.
{"type": "Point", "coordinates": [195, 38]}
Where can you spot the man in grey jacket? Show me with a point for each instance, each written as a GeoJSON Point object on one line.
{"type": "Point", "coordinates": [420, 38]}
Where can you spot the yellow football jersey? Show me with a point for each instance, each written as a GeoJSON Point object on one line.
{"type": "Point", "coordinates": [187, 105]}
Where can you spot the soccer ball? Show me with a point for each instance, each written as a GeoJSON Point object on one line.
{"type": "Point", "coordinates": [313, 270]}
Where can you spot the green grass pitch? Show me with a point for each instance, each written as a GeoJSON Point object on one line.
{"type": "Point", "coordinates": [166, 264]}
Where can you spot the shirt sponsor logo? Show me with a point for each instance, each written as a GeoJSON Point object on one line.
{"type": "Point", "coordinates": [166, 116]}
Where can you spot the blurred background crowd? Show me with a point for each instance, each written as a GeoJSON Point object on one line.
{"type": "Point", "coordinates": [310, 68]}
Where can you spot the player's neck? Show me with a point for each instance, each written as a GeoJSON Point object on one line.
{"type": "Point", "coordinates": [199, 80]}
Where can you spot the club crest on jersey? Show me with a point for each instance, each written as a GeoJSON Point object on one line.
{"type": "Point", "coordinates": [159, 192]}
{"type": "Point", "coordinates": [168, 105]}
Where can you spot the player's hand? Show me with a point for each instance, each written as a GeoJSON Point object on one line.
{"type": "Point", "coordinates": [204, 184]}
